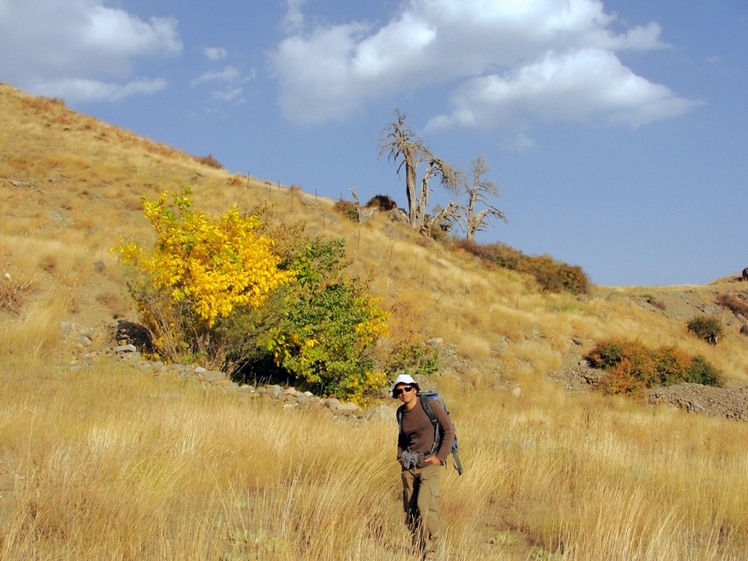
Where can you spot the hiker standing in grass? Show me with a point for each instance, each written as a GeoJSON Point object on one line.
{"type": "Point", "coordinates": [421, 459]}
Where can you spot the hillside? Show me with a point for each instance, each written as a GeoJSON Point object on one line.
{"type": "Point", "coordinates": [70, 187]}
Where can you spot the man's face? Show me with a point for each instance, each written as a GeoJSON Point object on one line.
{"type": "Point", "coordinates": [405, 392]}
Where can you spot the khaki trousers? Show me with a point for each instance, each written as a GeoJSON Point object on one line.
{"type": "Point", "coordinates": [421, 504]}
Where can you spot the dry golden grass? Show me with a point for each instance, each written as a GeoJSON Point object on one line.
{"type": "Point", "coordinates": [114, 463]}
{"type": "Point", "coordinates": [108, 464]}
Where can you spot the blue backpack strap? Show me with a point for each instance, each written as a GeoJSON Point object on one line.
{"type": "Point", "coordinates": [426, 404]}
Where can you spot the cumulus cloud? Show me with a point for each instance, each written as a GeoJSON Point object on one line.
{"type": "Point", "coordinates": [490, 50]}
{"type": "Point", "coordinates": [585, 85]}
{"type": "Point", "coordinates": [81, 47]}
{"type": "Point", "coordinates": [214, 53]}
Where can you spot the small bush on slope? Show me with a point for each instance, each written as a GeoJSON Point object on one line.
{"type": "Point", "coordinates": [552, 275]}
{"type": "Point", "coordinates": [706, 328]}
{"type": "Point", "coordinates": [631, 367]}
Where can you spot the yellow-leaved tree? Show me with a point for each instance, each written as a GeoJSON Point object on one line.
{"type": "Point", "coordinates": [200, 269]}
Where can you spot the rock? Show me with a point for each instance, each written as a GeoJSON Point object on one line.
{"type": "Point", "coordinates": [214, 376]}
{"type": "Point", "coordinates": [200, 370]}
{"type": "Point", "coordinates": [584, 363]}
{"type": "Point", "coordinates": [56, 215]}
{"type": "Point", "coordinates": [86, 332]}
{"type": "Point", "coordinates": [380, 413]}
{"type": "Point", "coordinates": [302, 398]}
{"type": "Point", "coordinates": [65, 327]}
{"type": "Point", "coordinates": [85, 341]}
{"type": "Point", "coordinates": [349, 408]}
{"type": "Point", "coordinates": [99, 266]}
{"type": "Point", "coordinates": [125, 349]}
{"type": "Point", "coordinates": [577, 340]}
{"type": "Point", "coordinates": [290, 391]}
{"type": "Point", "coordinates": [516, 392]}
{"type": "Point", "coordinates": [436, 342]}
{"type": "Point", "coordinates": [332, 403]}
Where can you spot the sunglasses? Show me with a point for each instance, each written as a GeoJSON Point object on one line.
{"type": "Point", "coordinates": [398, 391]}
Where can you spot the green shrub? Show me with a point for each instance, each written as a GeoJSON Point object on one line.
{"type": "Point", "coordinates": [414, 358]}
{"type": "Point", "coordinates": [706, 328]}
{"type": "Point", "coordinates": [672, 366]}
{"type": "Point", "coordinates": [701, 372]}
{"type": "Point", "coordinates": [329, 326]}
{"type": "Point", "coordinates": [631, 367]}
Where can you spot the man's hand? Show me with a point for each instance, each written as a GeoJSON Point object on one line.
{"type": "Point", "coordinates": [433, 460]}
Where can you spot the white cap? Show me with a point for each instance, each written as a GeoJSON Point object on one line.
{"type": "Point", "coordinates": [403, 379]}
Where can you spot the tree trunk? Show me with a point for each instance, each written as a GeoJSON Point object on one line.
{"type": "Point", "coordinates": [410, 187]}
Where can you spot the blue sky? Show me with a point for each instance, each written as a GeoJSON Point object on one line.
{"type": "Point", "coordinates": [617, 131]}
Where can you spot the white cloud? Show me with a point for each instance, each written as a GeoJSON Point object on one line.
{"type": "Point", "coordinates": [80, 46]}
{"type": "Point", "coordinates": [76, 89]}
{"type": "Point", "coordinates": [332, 71]}
{"type": "Point", "coordinates": [520, 143]}
{"type": "Point", "coordinates": [228, 94]}
{"type": "Point", "coordinates": [214, 53]}
{"type": "Point", "coordinates": [228, 74]}
{"type": "Point", "coordinates": [585, 85]}
{"type": "Point", "coordinates": [294, 18]}
{"type": "Point", "coordinates": [230, 77]}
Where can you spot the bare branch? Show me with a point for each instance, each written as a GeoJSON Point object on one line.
{"type": "Point", "coordinates": [403, 147]}
{"type": "Point", "coordinates": [364, 213]}
{"type": "Point", "coordinates": [478, 191]}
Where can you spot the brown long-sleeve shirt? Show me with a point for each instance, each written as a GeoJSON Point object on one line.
{"type": "Point", "coordinates": [417, 432]}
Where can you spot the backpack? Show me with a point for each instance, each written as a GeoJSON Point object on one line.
{"type": "Point", "coordinates": [428, 397]}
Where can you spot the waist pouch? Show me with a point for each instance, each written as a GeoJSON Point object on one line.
{"type": "Point", "coordinates": [410, 460]}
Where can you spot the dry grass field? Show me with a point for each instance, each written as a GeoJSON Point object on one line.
{"type": "Point", "coordinates": [112, 462]}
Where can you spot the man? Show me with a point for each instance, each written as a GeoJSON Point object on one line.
{"type": "Point", "coordinates": [421, 459]}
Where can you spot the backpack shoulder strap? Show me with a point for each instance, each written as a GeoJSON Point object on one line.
{"type": "Point", "coordinates": [426, 404]}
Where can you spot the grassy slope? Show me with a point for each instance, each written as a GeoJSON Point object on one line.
{"type": "Point", "coordinates": [108, 464]}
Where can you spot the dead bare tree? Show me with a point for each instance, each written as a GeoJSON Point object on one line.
{"type": "Point", "coordinates": [403, 147]}
{"type": "Point", "coordinates": [478, 191]}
